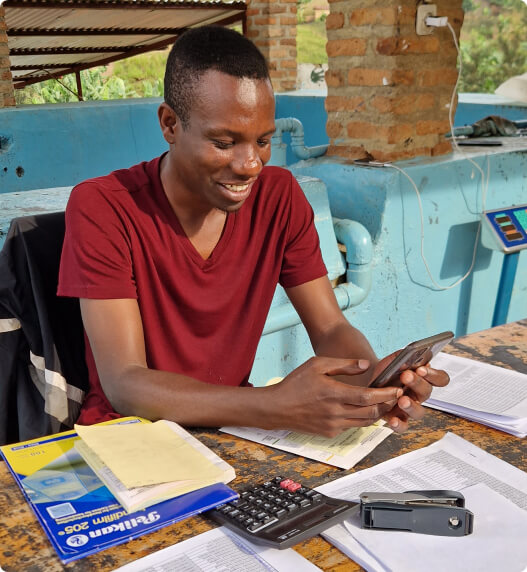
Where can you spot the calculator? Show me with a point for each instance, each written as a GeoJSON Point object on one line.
{"type": "Point", "coordinates": [281, 512]}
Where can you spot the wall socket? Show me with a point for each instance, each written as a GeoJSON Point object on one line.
{"type": "Point", "coordinates": [423, 12]}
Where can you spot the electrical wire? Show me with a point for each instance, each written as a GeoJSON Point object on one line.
{"type": "Point", "coordinates": [484, 183]}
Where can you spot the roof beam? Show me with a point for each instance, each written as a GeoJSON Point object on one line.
{"type": "Point", "coordinates": [72, 69]}
{"type": "Point", "coordinates": [116, 53]}
{"type": "Point", "coordinates": [122, 4]}
{"type": "Point", "coordinates": [40, 67]}
{"type": "Point", "coordinates": [92, 32]}
{"type": "Point", "coordinates": [55, 51]}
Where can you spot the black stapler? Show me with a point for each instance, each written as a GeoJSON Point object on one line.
{"type": "Point", "coordinates": [439, 512]}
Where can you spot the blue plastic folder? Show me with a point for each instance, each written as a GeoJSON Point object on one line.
{"type": "Point", "coordinates": [78, 513]}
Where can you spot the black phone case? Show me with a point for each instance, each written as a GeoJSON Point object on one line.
{"type": "Point", "coordinates": [412, 356]}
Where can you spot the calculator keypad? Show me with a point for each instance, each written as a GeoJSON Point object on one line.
{"type": "Point", "coordinates": [281, 512]}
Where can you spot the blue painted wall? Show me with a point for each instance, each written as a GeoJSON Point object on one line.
{"type": "Point", "coordinates": [60, 145]}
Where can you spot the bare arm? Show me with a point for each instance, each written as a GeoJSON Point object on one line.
{"type": "Point", "coordinates": [320, 405]}
{"type": "Point", "coordinates": [329, 331]}
{"type": "Point", "coordinates": [332, 335]}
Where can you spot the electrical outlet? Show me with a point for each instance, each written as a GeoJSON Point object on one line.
{"type": "Point", "coordinates": [423, 12]}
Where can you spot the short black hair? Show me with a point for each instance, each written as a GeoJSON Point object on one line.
{"type": "Point", "coordinates": [208, 48]}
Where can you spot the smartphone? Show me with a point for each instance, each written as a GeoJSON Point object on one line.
{"type": "Point", "coordinates": [414, 354]}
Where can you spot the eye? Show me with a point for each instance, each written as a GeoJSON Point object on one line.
{"type": "Point", "coordinates": [263, 142]}
{"type": "Point", "coordinates": [221, 144]}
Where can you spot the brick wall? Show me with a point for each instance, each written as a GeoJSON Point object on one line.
{"type": "Point", "coordinates": [7, 93]}
{"type": "Point", "coordinates": [271, 25]}
{"type": "Point", "coordinates": [389, 89]}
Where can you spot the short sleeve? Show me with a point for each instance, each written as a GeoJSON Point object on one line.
{"type": "Point", "coordinates": [96, 257]}
{"type": "Point", "coordinates": [302, 260]}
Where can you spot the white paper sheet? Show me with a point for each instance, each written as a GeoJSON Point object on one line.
{"type": "Point", "coordinates": [497, 542]}
{"type": "Point", "coordinates": [451, 463]}
{"type": "Point", "coordinates": [485, 393]}
{"type": "Point", "coordinates": [219, 550]}
{"type": "Point", "coordinates": [343, 451]}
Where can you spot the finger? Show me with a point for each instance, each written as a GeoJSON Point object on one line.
{"type": "Point", "coordinates": [339, 366]}
{"type": "Point", "coordinates": [365, 396]}
{"type": "Point", "coordinates": [436, 377]}
{"type": "Point", "coordinates": [372, 413]}
{"type": "Point", "coordinates": [416, 386]}
{"type": "Point", "coordinates": [411, 408]}
{"type": "Point", "coordinates": [398, 424]}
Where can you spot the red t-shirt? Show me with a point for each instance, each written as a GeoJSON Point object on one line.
{"type": "Point", "coordinates": [201, 318]}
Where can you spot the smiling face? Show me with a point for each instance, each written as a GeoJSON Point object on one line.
{"type": "Point", "coordinates": [214, 161]}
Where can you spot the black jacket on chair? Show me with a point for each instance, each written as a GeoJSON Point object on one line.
{"type": "Point", "coordinates": [43, 374]}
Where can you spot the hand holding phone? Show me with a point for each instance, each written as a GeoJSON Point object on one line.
{"type": "Point", "coordinates": [411, 357]}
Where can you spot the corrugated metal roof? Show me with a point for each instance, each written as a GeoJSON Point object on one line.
{"type": "Point", "coordinates": [48, 38]}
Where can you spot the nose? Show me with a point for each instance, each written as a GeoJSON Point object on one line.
{"type": "Point", "coordinates": [247, 161]}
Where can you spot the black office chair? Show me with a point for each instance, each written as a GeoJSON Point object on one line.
{"type": "Point", "coordinates": [43, 374]}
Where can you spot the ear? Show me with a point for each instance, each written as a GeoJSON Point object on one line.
{"type": "Point", "coordinates": [169, 122]}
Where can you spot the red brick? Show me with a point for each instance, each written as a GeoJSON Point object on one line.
{"type": "Point", "coordinates": [278, 53]}
{"type": "Point", "coordinates": [265, 21]}
{"type": "Point", "coordinates": [266, 42]}
{"type": "Point", "coordinates": [6, 88]}
{"type": "Point", "coordinates": [408, 45]}
{"type": "Point", "coordinates": [389, 16]}
{"type": "Point", "coordinates": [275, 32]}
{"type": "Point", "coordinates": [436, 77]}
{"type": "Point", "coordinates": [5, 74]}
{"type": "Point", "coordinates": [289, 64]}
{"type": "Point", "coordinates": [340, 103]}
{"type": "Point", "coordinates": [442, 148]}
{"type": "Point", "coordinates": [333, 78]}
{"type": "Point", "coordinates": [365, 130]}
{"type": "Point", "coordinates": [376, 77]}
{"type": "Point", "coordinates": [333, 129]}
{"type": "Point", "coordinates": [335, 21]}
{"type": "Point", "coordinates": [432, 126]}
{"type": "Point", "coordinates": [348, 47]}
{"type": "Point", "coordinates": [400, 133]}
{"type": "Point", "coordinates": [404, 104]}
{"type": "Point", "coordinates": [349, 152]}
{"type": "Point", "coordinates": [274, 9]}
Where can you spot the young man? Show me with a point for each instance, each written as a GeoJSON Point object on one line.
{"type": "Point", "coordinates": [175, 263]}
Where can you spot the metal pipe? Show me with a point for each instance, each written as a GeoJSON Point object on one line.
{"type": "Point", "coordinates": [295, 127]}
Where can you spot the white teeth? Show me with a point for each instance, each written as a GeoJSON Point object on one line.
{"type": "Point", "coordinates": [236, 188]}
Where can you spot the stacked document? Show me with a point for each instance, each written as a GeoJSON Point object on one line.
{"type": "Point", "coordinates": [220, 550]}
{"type": "Point", "coordinates": [495, 492]}
{"type": "Point", "coordinates": [145, 463]}
{"type": "Point", "coordinates": [484, 393]}
{"type": "Point", "coordinates": [344, 450]}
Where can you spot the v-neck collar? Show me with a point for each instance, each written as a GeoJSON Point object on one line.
{"type": "Point", "coordinates": [173, 220]}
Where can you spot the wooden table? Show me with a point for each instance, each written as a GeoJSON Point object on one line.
{"type": "Point", "coordinates": [24, 546]}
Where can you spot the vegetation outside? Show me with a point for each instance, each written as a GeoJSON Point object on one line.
{"type": "Point", "coordinates": [493, 46]}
